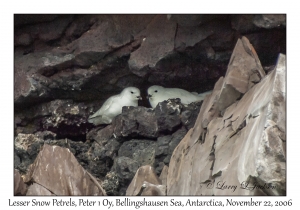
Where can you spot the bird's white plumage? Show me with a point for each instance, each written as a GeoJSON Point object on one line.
{"type": "Point", "coordinates": [113, 106]}
{"type": "Point", "coordinates": [158, 94]}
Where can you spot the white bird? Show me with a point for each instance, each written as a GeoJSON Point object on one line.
{"type": "Point", "coordinates": [158, 94]}
{"type": "Point", "coordinates": [113, 106]}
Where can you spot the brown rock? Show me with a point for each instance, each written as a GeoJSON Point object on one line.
{"type": "Point", "coordinates": [244, 147]}
{"type": "Point", "coordinates": [19, 187]}
{"type": "Point", "coordinates": [144, 173]}
{"type": "Point", "coordinates": [164, 174]}
{"type": "Point", "coordinates": [243, 63]}
{"type": "Point", "coordinates": [57, 170]}
{"type": "Point", "coordinates": [36, 189]}
{"type": "Point", "coordinates": [152, 190]}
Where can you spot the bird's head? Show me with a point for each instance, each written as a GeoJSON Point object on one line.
{"type": "Point", "coordinates": [132, 92]}
{"type": "Point", "coordinates": [153, 91]}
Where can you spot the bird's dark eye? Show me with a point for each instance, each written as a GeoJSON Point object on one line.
{"type": "Point", "coordinates": [131, 92]}
{"type": "Point", "coordinates": [155, 91]}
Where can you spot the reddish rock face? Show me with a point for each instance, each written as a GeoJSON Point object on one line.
{"type": "Point", "coordinates": [145, 178]}
{"type": "Point", "coordinates": [241, 145]}
{"type": "Point", "coordinates": [57, 170]}
{"type": "Point", "coordinates": [19, 187]}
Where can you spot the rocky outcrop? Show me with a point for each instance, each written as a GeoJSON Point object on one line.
{"type": "Point", "coordinates": [19, 187]}
{"type": "Point", "coordinates": [66, 66]}
{"type": "Point", "coordinates": [146, 182]}
{"type": "Point", "coordinates": [56, 171]}
{"type": "Point", "coordinates": [237, 146]}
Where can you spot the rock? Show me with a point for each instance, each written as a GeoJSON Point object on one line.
{"type": "Point", "coordinates": [189, 36]}
{"type": "Point", "coordinates": [144, 122]}
{"type": "Point", "coordinates": [165, 147]}
{"type": "Point", "coordinates": [151, 189]}
{"type": "Point", "coordinates": [36, 189]}
{"type": "Point", "coordinates": [144, 173]}
{"type": "Point", "coordinates": [164, 174]}
{"type": "Point", "coordinates": [243, 23]}
{"type": "Point", "coordinates": [273, 40]}
{"type": "Point", "coordinates": [136, 121]}
{"type": "Point", "coordinates": [141, 151]}
{"type": "Point", "coordinates": [242, 146]}
{"type": "Point", "coordinates": [158, 42]}
{"type": "Point", "coordinates": [64, 75]}
{"type": "Point", "coordinates": [65, 118]}
{"type": "Point", "coordinates": [168, 116]}
{"type": "Point", "coordinates": [125, 168]}
{"type": "Point", "coordinates": [270, 21]}
{"type": "Point", "coordinates": [79, 149]}
{"type": "Point", "coordinates": [193, 20]}
{"type": "Point", "coordinates": [57, 170]}
{"type": "Point", "coordinates": [101, 157]}
{"type": "Point", "coordinates": [24, 19]}
{"type": "Point", "coordinates": [189, 114]}
{"type": "Point", "coordinates": [19, 187]}
{"type": "Point", "coordinates": [27, 146]}
{"type": "Point", "coordinates": [111, 184]}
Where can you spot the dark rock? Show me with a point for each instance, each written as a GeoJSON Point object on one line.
{"type": "Point", "coordinates": [190, 113]}
{"type": "Point", "coordinates": [46, 135]}
{"type": "Point", "coordinates": [268, 45]}
{"type": "Point", "coordinates": [65, 118]}
{"type": "Point", "coordinates": [243, 23]}
{"type": "Point", "coordinates": [44, 32]}
{"type": "Point", "coordinates": [142, 151]}
{"type": "Point", "coordinates": [100, 133]}
{"type": "Point", "coordinates": [24, 19]}
{"type": "Point", "coordinates": [136, 121]}
{"type": "Point", "coordinates": [270, 21]}
{"type": "Point", "coordinates": [26, 149]}
{"type": "Point", "coordinates": [168, 115]}
{"type": "Point", "coordinates": [158, 42]}
{"type": "Point", "coordinates": [125, 168]}
{"type": "Point", "coordinates": [189, 36]}
{"type": "Point", "coordinates": [149, 123]}
{"type": "Point", "coordinates": [165, 147]}
{"type": "Point", "coordinates": [111, 184]}
{"type": "Point", "coordinates": [102, 156]}
{"type": "Point", "coordinates": [192, 20]}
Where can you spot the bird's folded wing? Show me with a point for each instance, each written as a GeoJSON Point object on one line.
{"type": "Point", "coordinates": [105, 107]}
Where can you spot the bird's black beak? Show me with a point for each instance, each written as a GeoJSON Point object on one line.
{"type": "Point", "coordinates": [149, 96]}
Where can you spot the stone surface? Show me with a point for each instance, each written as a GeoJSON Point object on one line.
{"type": "Point", "coordinates": [65, 118]}
{"type": "Point", "coordinates": [154, 190]}
{"type": "Point", "coordinates": [164, 174]}
{"type": "Point", "coordinates": [142, 151]}
{"type": "Point", "coordinates": [19, 187]}
{"type": "Point", "coordinates": [125, 168]}
{"type": "Point", "coordinates": [27, 146]}
{"type": "Point", "coordinates": [66, 66]}
{"type": "Point", "coordinates": [242, 148]}
{"type": "Point", "coordinates": [269, 20]}
{"type": "Point", "coordinates": [165, 147]}
{"type": "Point", "coordinates": [36, 189]}
{"type": "Point", "coordinates": [144, 173]}
{"type": "Point", "coordinates": [158, 42]}
{"type": "Point", "coordinates": [111, 183]}
{"type": "Point", "coordinates": [57, 170]}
